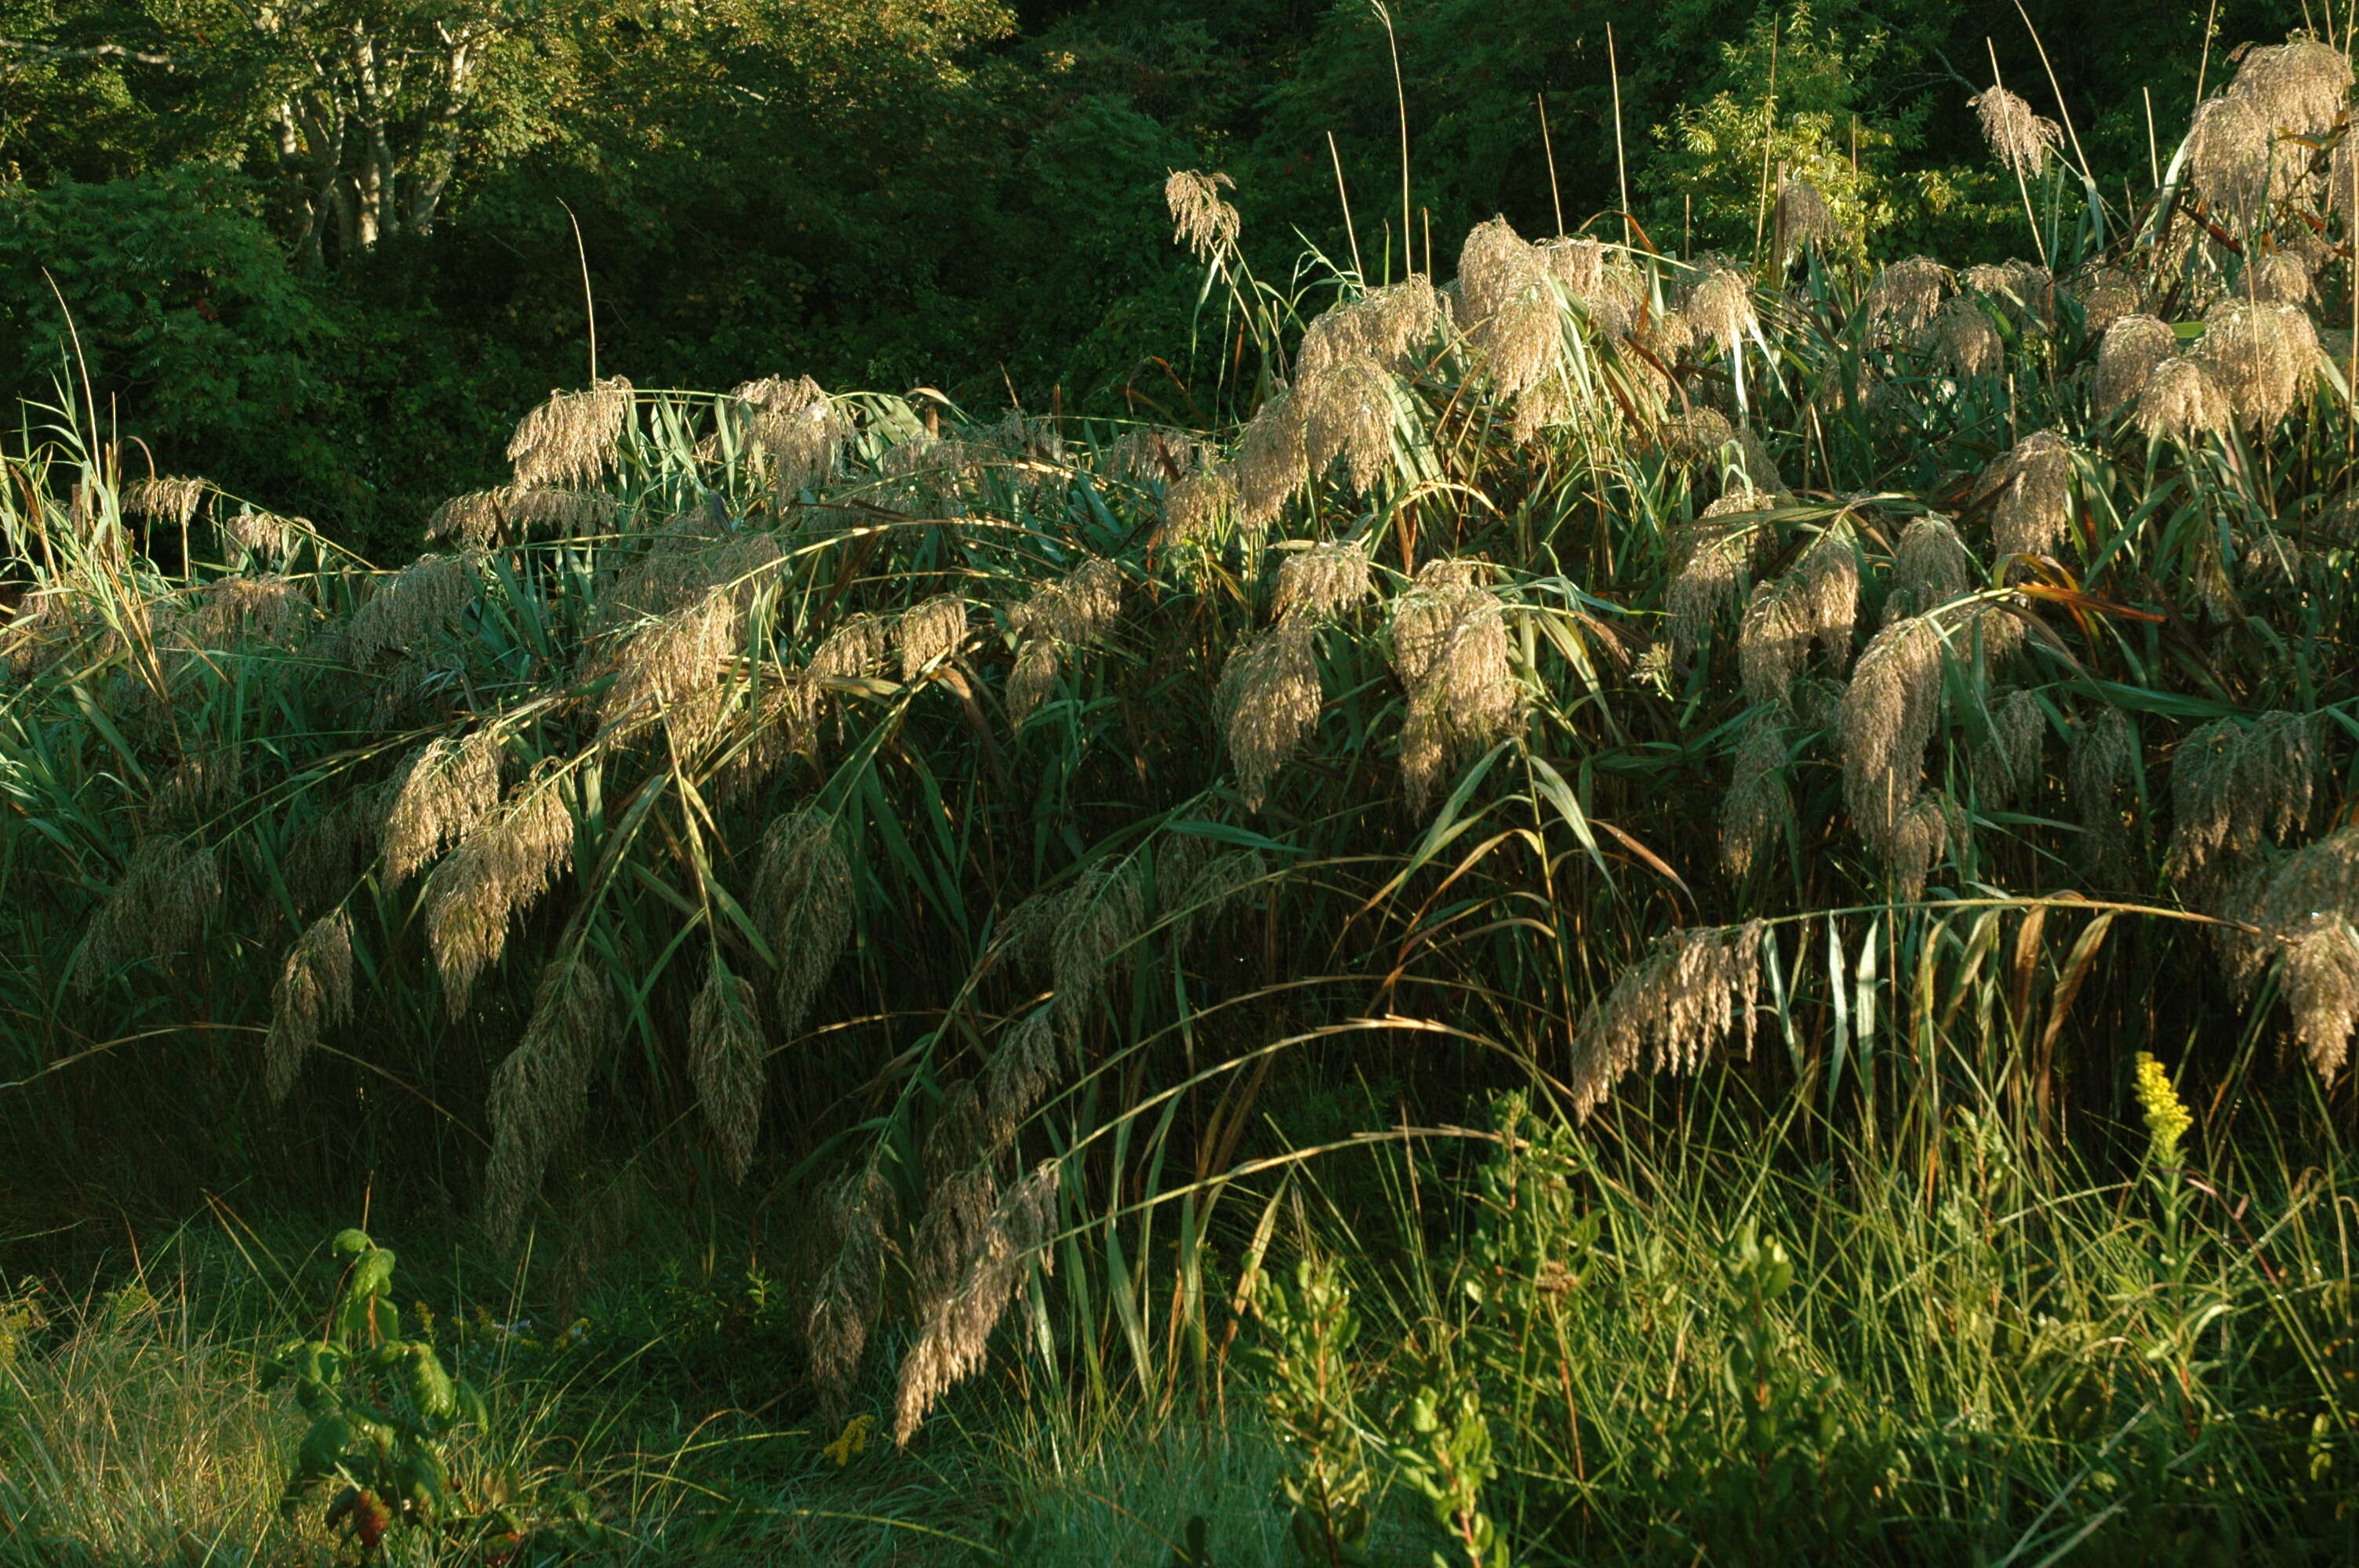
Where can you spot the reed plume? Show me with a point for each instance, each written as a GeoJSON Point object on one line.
{"type": "Point", "coordinates": [1195, 507]}
{"type": "Point", "coordinates": [1094, 933]}
{"type": "Point", "coordinates": [1667, 1010]}
{"type": "Point", "coordinates": [1801, 218]}
{"type": "Point", "coordinates": [1714, 555]}
{"type": "Point", "coordinates": [930, 632]}
{"type": "Point", "coordinates": [571, 440]}
{"type": "Point", "coordinates": [2229, 160]}
{"type": "Point", "coordinates": [1347, 416]}
{"type": "Point", "coordinates": [2005, 758]}
{"type": "Point", "coordinates": [2126, 358]}
{"type": "Point", "coordinates": [1202, 220]}
{"type": "Point", "coordinates": [2305, 909]}
{"type": "Point", "coordinates": [1020, 1072]}
{"type": "Point", "coordinates": [1905, 294]}
{"type": "Point", "coordinates": [1323, 581]}
{"type": "Point", "coordinates": [2107, 294]}
{"type": "Point", "coordinates": [1033, 678]}
{"type": "Point", "coordinates": [447, 790]}
{"type": "Point", "coordinates": [802, 897]}
{"type": "Point", "coordinates": [725, 1062]}
{"type": "Point", "coordinates": [314, 990]}
{"type": "Point", "coordinates": [496, 873]}
{"type": "Point", "coordinates": [1450, 649]}
{"type": "Point", "coordinates": [850, 1290]}
{"type": "Point", "coordinates": [1271, 462]}
{"type": "Point", "coordinates": [667, 663]}
{"type": "Point", "coordinates": [2030, 488]}
{"type": "Point", "coordinates": [425, 597]}
{"type": "Point", "coordinates": [2298, 88]}
{"type": "Point", "coordinates": [166, 499]}
{"type": "Point", "coordinates": [2102, 757]}
{"type": "Point", "coordinates": [540, 1088]}
{"type": "Point", "coordinates": [2181, 400]}
{"type": "Point", "coordinates": [1889, 712]}
{"type": "Point", "coordinates": [956, 1332]}
{"type": "Point", "coordinates": [2020, 138]}
{"type": "Point", "coordinates": [797, 426]}
{"type": "Point", "coordinates": [1759, 810]}
{"type": "Point", "coordinates": [158, 907]}
{"type": "Point", "coordinates": [1962, 337]}
{"type": "Point", "coordinates": [1268, 699]}
{"type": "Point", "coordinates": [2262, 357]}
{"type": "Point", "coordinates": [2279, 277]}
{"type": "Point", "coordinates": [2236, 787]}
{"type": "Point", "coordinates": [1720, 306]}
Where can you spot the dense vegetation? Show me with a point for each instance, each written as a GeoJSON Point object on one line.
{"type": "Point", "coordinates": [1692, 899]}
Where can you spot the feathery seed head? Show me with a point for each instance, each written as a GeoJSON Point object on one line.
{"type": "Point", "coordinates": [2280, 277]}
{"type": "Point", "coordinates": [539, 1091]}
{"type": "Point", "coordinates": [1095, 931]}
{"type": "Point", "coordinates": [2305, 909]}
{"type": "Point", "coordinates": [1666, 1012]}
{"type": "Point", "coordinates": [2261, 357]}
{"type": "Point", "coordinates": [424, 597]}
{"type": "Point", "coordinates": [955, 1333]}
{"type": "Point", "coordinates": [1347, 413]}
{"type": "Point", "coordinates": [314, 990]}
{"type": "Point", "coordinates": [2298, 88]}
{"type": "Point", "coordinates": [1773, 642]}
{"type": "Point", "coordinates": [1033, 681]}
{"type": "Point", "coordinates": [496, 873]}
{"type": "Point", "coordinates": [1905, 294]}
{"type": "Point", "coordinates": [930, 632]}
{"type": "Point", "coordinates": [2107, 294]}
{"type": "Point", "coordinates": [2103, 754]}
{"type": "Point", "coordinates": [1962, 337]}
{"type": "Point", "coordinates": [851, 1288]}
{"type": "Point", "coordinates": [1019, 1073]}
{"type": "Point", "coordinates": [1269, 700]}
{"type": "Point", "coordinates": [1715, 557]}
{"type": "Point", "coordinates": [2229, 160]}
{"type": "Point", "coordinates": [1720, 306]}
{"type": "Point", "coordinates": [1200, 219]}
{"type": "Point", "coordinates": [448, 790]}
{"type": "Point", "coordinates": [1802, 218]}
{"type": "Point", "coordinates": [1452, 650]}
{"type": "Point", "coordinates": [1271, 462]}
{"type": "Point", "coordinates": [2033, 485]}
{"type": "Point", "coordinates": [1888, 715]}
{"type": "Point", "coordinates": [1323, 579]}
{"type": "Point", "coordinates": [2004, 759]}
{"type": "Point", "coordinates": [853, 650]}
{"type": "Point", "coordinates": [156, 908]}
{"type": "Point", "coordinates": [1759, 810]}
{"type": "Point", "coordinates": [2132, 347]}
{"type": "Point", "coordinates": [797, 426]}
{"type": "Point", "coordinates": [667, 664]}
{"type": "Point", "coordinates": [2234, 787]}
{"type": "Point", "coordinates": [2020, 138]}
{"type": "Point", "coordinates": [724, 1063]}
{"type": "Point", "coordinates": [570, 440]}
{"type": "Point", "coordinates": [165, 499]}
{"type": "Point", "coordinates": [2179, 399]}
{"type": "Point", "coordinates": [802, 896]}
{"type": "Point", "coordinates": [1195, 506]}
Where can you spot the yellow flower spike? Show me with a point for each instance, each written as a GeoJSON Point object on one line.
{"type": "Point", "coordinates": [2167, 1118]}
{"type": "Point", "coordinates": [855, 1440]}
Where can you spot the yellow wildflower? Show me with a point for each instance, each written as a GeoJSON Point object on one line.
{"type": "Point", "coordinates": [2167, 1118]}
